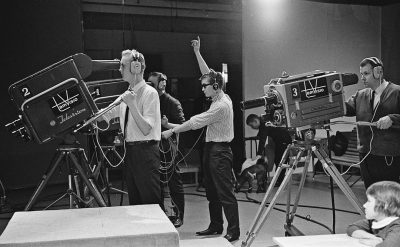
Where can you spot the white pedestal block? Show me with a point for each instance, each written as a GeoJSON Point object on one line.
{"type": "Point", "coordinates": [141, 225]}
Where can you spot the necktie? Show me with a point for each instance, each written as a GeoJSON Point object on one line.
{"type": "Point", "coordinates": [372, 100]}
{"type": "Point", "coordinates": [126, 121]}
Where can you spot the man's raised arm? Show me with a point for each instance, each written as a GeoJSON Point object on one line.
{"type": "Point", "coordinates": [202, 64]}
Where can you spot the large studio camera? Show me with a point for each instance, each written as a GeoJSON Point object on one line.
{"type": "Point", "coordinates": [54, 100]}
{"type": "Point", "coordinates": [305, 99]}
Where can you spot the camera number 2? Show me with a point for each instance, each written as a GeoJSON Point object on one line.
{"type": "Point", "coordinates": [26, 92]}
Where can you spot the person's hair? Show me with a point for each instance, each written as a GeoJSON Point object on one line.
{"type": "Point", "coordinates": [214, 77]}
{"type": "Point", "coordinates": [250, 118]}
{"type": "Point", "coordinates": [387, 197]}
{"type": "Point", "coordinates": [373, 61]}
{"type": "Point", "coordinates": [132, 53]}
{"type": "Point", "coordinates": [160, 76]}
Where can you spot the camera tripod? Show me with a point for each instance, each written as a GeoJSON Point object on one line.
{"type": "Point", "coordinates": [311, 147]}
{"type": "Point", "coordinates": [69, 154]}
{"type": "Point", "coordinates": [102, 165]}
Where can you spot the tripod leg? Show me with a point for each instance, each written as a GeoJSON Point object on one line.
{"type": "Point", "coordinates": [250, 233]}
{"type": "Point", "coordinates": [77, 185]}
{"type": "Point", "coordinates": [337, 177]}
{"type": "Point", "coordinates": [97, 169]}
{"type": "Point", "coordinates": [289, 221]}
{"type": "Point", "coordinates": [108, 185]}
{"type": "Point", "coordinates": [71, 199]}
{"type": "Point", "coordinates": [45, 180]}
{"type": "Point", "coordinates": [93, 189]}
{"type": "Point", "coordinates": [64, 195]}
{"type": "Point", "coordinates": [271, 205]}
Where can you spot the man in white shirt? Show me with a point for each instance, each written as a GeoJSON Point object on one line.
{"type": "Point", "coordinates": [140, 121]}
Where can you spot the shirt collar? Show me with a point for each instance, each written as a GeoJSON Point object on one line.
{"type": "Point", "coordinates": [381, 87]}
{"type": "Point", "coordinates": [138, 86]}
{"type": "Point", "coordinates": [218, 96]}
{"type": "Point", "coordinates": [384, 222]}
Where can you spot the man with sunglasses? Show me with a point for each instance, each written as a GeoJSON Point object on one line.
{"type": "Point", "coordinates": [171, 110]}
{"type": "Point", "coordinates": [217, 157]}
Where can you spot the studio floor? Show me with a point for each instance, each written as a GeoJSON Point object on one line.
{"type": "Point", "coordinates": [315, 204]}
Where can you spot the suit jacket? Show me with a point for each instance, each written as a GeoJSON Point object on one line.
{"type": "Point", "coordinates": [385, 142]}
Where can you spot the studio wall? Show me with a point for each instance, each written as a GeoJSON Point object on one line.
{"type": "Point", "coordinates": [391, 41]}
{"type": "Point", "coordinates": [38, 33]}
{"type": "Point", "coordinates": [302, 36]}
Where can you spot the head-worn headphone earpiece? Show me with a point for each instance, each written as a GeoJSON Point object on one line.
{"type": "Point", "coordinates": [136, 65]}
{"type": "Point", "coordinates": [213, 79]}
{"type": "Point", "coordinates": [377, 66]}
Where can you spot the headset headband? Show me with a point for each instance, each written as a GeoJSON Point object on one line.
{"type": "Point", "coordinates": [375, 61]}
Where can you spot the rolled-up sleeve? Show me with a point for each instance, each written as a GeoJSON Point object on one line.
{"type": "Point", "coordinates": [150, 112]}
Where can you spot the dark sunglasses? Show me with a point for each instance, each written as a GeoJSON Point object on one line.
{"type": "Point", "coordinates": [205, 85]}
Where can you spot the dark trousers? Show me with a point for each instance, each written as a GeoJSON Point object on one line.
{"type": "Point", "coordinates": [376, 168]}
{"type": "Point", "coordinates": [175, 185]}
{"type": "Point", "coordinates": [171, 177]}
{"type": "Point", "coordinates": [218, 183]}
{"type": "Point", "coordinates": [141, 174]}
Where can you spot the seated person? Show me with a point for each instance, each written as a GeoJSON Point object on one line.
{"type": "Point", "coordinates": [381, 227]}
{"type": "Point", "coordinates": [273, 142]}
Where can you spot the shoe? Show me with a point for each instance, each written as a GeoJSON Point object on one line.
{"type": "Point", "coordinates": [209, 231]}
{"type": "Point", "coordinates": [231, 237]}
{"type": "Point", "coordinates": [177, 222]}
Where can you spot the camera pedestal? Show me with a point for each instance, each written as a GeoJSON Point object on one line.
{"type": "Point", "coordinates": [311, 147]}
{"type": "Point", "coordinates": [68, 154]}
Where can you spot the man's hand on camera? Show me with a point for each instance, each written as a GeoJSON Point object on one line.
{"type": "Point", "coordinates": [270, 124]}
{"type": "Point", "coordinates": [196, 44]}
{"type": "Point", "coordinates": [384, 123]}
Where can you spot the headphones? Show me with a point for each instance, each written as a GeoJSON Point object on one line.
{"type": "Point", "coordinates": [136, 65]}
{"type": "Point", "coordinates": [213, 79]}
{"type": "Point", "coordinates": [377, 66]}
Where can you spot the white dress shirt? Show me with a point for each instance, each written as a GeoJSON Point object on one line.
{"type": "Point", "coordinates": [378, 92]}
{"type": "Point", "coordinates": [148, 104]}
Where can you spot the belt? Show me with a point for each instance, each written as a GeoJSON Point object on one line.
{"type": "Point", "coordinates": [147, 142]}
{"type": "Point", "coordinates": [227, 143]}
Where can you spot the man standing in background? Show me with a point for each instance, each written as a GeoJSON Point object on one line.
{"type": "Point", "coordinates": [171, 110]}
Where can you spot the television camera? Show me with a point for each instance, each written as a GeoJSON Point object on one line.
{"type": "Point", "coordinates": [304, 99]}
{"type": "Point", "coordinates": [52, 103]}
{"type": "Point", "coordinates": [301, 101]}
{"type": "Point", "coordinates": [55, 99]}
